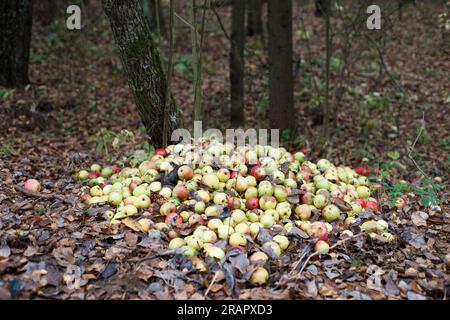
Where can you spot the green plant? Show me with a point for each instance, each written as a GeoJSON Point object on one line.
{"type": "Point", "coordinates": [427, 192]}
{"type": "Point", "coordinates": [106, 139]}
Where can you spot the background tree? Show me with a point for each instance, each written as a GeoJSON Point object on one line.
{"type": "Point", "coordinates": [15, 38]}
{"type": "Point", "coordinates": [155, 16]}
{"type": "Point", "coordinates": [142, 65]}
{"type": "Point", "coordinates": [254, 17]}
{"type": "Point", "coordinates": [237, 62]}
{"type": "Point", "coordinates": [281, 96]}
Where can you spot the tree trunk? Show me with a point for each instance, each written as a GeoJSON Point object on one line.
{"type": "Point", "coordinates": [281, 96]}
{"type": "Point", "coordinates": [142, 65]}
{"type": "Point", "coordinates": [156, 17]}
{"type": "Point", "coordinates": [254, 17]}
{"type": "Point", "coordinates": [322, 7]}
{"type": "Point", "coordinates": [45, 11]}
{"type": "Point", "coordinates": [15, 39]}
{"type": "Point", "coordinates": [237, 62]}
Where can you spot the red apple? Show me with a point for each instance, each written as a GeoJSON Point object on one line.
{"type": "Point", "coordinates": [181, 192]}
{"type": "Point", "coordinates": [372, 205]}
{"type": "Point", "coordinates": [233, 203]}
{"type": "Point", "coordinates": [32, 185]}
{"type": "Point", "coordinates": [252, 203]}
{"type": "Point", "coordinates": [161, 152]}
{"type": "Point", "coordinates": [115, 168]}
{"type": "Point", "coordinates": [234, 174]}
{"type": "Point", "coordinates": [93, 174]}
{"type": "Point", "coordinates": [173, 218]}
{"type": "Point", "coordinates": [185, 173]}
{"type": "Point", "coordinates": [319, 230]}
{"type": "Point", "coordinates": [361, 170]}
{"type": "Point", "coordinates": [361, 202]}
{"type": "Point", "coordinates": [258, 172]}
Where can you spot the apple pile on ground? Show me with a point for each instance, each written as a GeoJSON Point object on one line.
{"type": "Point", "coordinates": [228, 195]}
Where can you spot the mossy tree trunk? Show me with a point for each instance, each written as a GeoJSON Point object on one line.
{"type": "Point", "coordinates": [281, 96]}
{"type": "Point", "coordinates": [142, 65]}
{"type": "Point", "coordinates": [15, 39]}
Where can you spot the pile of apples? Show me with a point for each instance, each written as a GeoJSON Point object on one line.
{"type": "Point", "coordinates": [231, 194]}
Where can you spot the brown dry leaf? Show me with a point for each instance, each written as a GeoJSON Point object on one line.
{"type": "Point", "coordinates": [30, 251]}
{"type": "Point", "coordinates": [132, 224]}
{"type": "Point", "coordinates": [64, 256]}
{"type": "Point", "coordinates": [144, 272]}
{"type": "Point", "coordinates": [131, 239]}
{"type": "Point", "coordinates": [419, 218]}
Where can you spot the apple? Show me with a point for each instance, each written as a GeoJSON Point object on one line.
{"type": "Point", "coordinates": [361, 202]}
{"type": "Point", "coordinates": [115, 198]}
{"type": "Point", "coordinates": [166, 193]}
{"type": "Point", "coordinates": [142, 202]}
{"type": "Point", "coordinates": [322, 247]}
{"type": "Point", "coordinates": [400, 202]}
{"type": "Point", "coordinates": [194, 242]}
{"type": "Point", "coordinates": [361, 170]}
{"type": "Point", "coordinates": [372, 205]}
{"type": "Point", "coordinates": [212, 211]}
{"type": "Point", "coordinates": [267, 202]}
{"type": "Point", "coordinates": [290, 183]}
{"type": "Point", "coordinates": [280, 193]}
{"type": "Point", "coordinates": [130, 210]}
{"type": "Point", "coordinates": [282, 241]}
{"type": "Point", "coordinates": [258, 256]}
{"type": "Point", "coordinates": [284, 210]}
{"type": "Point", "coordinates": [259, 276]}
{"type": "Point", "coordinates": [211, 181]}
{"type": "Point", "coordinates": [93, 175]}
{"type": "Point", "coordinates": [319, 230]}
{"type": "Point", "coordinates": [215, 252]}
{"type": "Point", "coordinates": [188, 251]}
{"type": "Point", "coordinates": [223, 174]}
{"type": "Point", "coordinates": [96, 191]}
{"type": "Point", "coordinates": [83, 175]}
{"type": "Point", "coordinates": [252, 203]}
{"type": "Point", "coordinates": [209, 236]}
{"type": "Point", "coordinates": [161, 152]}
{"type": "Point", "coordinates": [242, 228]}
{"type": "Point", "coordinates": [140, 190]}
{"type": "Point", "coordinates": [265, 188]}
{"type": "Point", "coordinates": [251, 192]}
{"type": "Point", "coordinates": [220, 198]}
{"type": "Point", "coordinates": [32, 185]}
{"type": "Point", "coordinates": [96, 168]}
{"type": "Point", "coordinates": [274, 246]}
{"type": "Point", "coordinates": [241, 184]}
{"type": "Point", "coordinates": [258, 172]}
{"type": "Point", "coordinates": [185, 173]}
{"type": "Point", "coordinates": [180, 192]}
{"type": "Point", "coordinates": [267, 220]}
{"type": "Point", "coordinates": [331, 213]}
{"type": "Point", "coordinates": [237, 239]}
{"type": "Point", "coordinates": [234, 203]}
{"type": "Point", "coordinates": [308, 198]}
{"type": "Point", "coordinates": [168, 208]}
{"type": "Point", "coordinates": [215, 224]}
{"type": "Point", "coordinates": [251, 181]}
{"type": "Point", "coordinates": [176, 243]}
{"type": "Point", "coordinates": [303, 211]}
{"type": "Point", "coordinates": [363, 192]}
{"type": "Point", "coordinates": [320, 201]}
{"type": "Point", "coordinates": [224, 231]}
{"type": "Point", "coordinates": [238, 216]}
{"type": "Point", "coordinates": [199, 207]}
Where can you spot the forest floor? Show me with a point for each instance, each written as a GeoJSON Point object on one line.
{"type": "Point", "coordinates": [79, 103]}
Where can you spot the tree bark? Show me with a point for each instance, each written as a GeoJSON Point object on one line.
{"type": "Point", "coordinates": [322, 8]}
{"type": "Point", "coordinates": [142, 65]}
{"type": "Point", "coordinates": [15, 39]}
{"type": "Point", "coordinates": [281, 96]}
{"type": "Point", "coordinates": [254, 17]}
{"type": "Point", "coordinates": [237, 62]}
